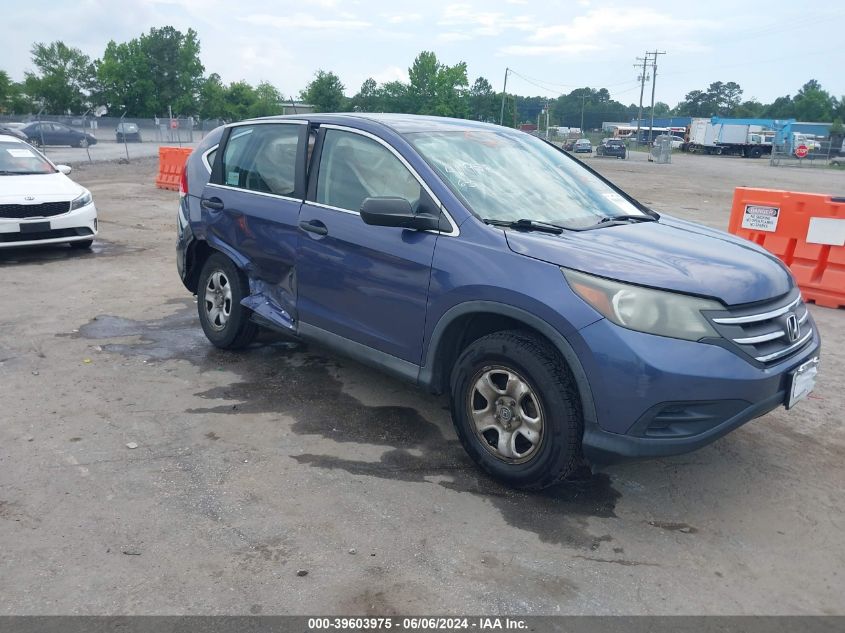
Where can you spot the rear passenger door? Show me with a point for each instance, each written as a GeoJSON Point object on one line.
{"type": "Point", "coordinates": [250, 207]}
{"type": "Point", "coordinates": [361, 283]}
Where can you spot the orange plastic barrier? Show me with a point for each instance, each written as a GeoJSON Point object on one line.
{"type": "Point", "coordinates": [171, 163]}
{"type": "Point", "coordinates": [805, 230]}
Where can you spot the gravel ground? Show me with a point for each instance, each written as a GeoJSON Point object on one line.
{"type": "Point", "coordinates": [251, 467]}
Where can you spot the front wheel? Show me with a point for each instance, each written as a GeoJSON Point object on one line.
{"type": "Point", "coordinates": [219, 293]}
{"type": "Point", "coordinates": [83, 143]}
{"type": "Point", "coordinates": [516, 410]}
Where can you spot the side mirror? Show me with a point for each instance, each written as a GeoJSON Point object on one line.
{"type": "Point", "coordinates": [65, 169]}
{"type": "Point", "coordinates": [389, 211]}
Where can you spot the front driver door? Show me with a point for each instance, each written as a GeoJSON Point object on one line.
{"type": "Point", "coordinates": [366, 284]}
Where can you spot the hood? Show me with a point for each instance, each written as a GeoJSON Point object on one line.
{"type": "Point", "coordinates": [42, 187]}
{"type": "Point", "coordinates": [670, 255]}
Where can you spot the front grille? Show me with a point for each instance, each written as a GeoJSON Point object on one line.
{"type": "Point", "coordinates": [767, 332]}
{"type": "Point", "coordinates": [43, 210]}
{"type": "Point", "coordinates": [44, 235]}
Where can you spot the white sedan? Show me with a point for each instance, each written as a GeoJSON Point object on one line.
{"type": "Point", "coordinates": [39, 204]}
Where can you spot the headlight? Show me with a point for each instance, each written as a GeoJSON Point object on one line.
{"type": "Point", "coordinates": [644, 309]}
{"type": "Point", "coordinates": [81, 201]}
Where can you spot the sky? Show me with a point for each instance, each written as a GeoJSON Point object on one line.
{"type": "Point", "coordinates": [770, 48]}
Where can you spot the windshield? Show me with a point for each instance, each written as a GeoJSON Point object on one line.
{"type": "Point", "coordinates": [17, 158]}
{"type": "Point", "coordinates": [508, 176]}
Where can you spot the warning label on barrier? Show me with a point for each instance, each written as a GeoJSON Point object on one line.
{"type": "Point", "coordinates": [759, 218]}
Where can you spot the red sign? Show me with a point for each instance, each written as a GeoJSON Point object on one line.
{"type": "Point", "coordinates": [801, 151]}
{"type": "Point", "coordinates": [174, 124]}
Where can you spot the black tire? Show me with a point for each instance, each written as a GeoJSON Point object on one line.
{"type": "Point", "coordinates": [237, 331]}
{"type": "Point", "coordinates": [83, 143]}
{"type": "Point", "coordinates": [81, 245]}
{"type": "Point", "coordinates": [532, 359]}
{"type": "Point", "coordinates": [35, 142]}
{"type": "Point", "coordinates": [756, 152]}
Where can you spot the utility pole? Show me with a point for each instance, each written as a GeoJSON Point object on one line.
{"type": "Point", "coordinates": [504, 92]}
{"type": "Point", "coordinates": [642, 89]}
{"type": "Point", "coordinates": [653, 86]}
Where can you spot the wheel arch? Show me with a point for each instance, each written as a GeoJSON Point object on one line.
{"type": "Point", "coordinates": [198, 253]}
{"type": "Point", "coordinates": [469, 321]}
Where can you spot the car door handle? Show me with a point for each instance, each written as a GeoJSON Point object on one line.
{"type": "Point", "coordinates": [212, 203]}
{"type": "Point", "coordinates": [314, 226]}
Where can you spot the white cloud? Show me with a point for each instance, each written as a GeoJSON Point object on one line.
{"type": "Point", "coordinates": [605, 28]}
{"type": "Point", "coordinates": [391, 73]}
{"type": "Point", "coordinates": [403, 18]}
{"type": "Point", "coordinates": [464, 18]}
{"type": "Point", "coordinates": [453, 36]}
{"type": "Point", "coordinates": [305, 21]}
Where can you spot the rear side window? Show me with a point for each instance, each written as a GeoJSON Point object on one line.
{"type": "Point", "coordinates": [261, 158]}
{"type": "Point", "coordinates": [354, 167]}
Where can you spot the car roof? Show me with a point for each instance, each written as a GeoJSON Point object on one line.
{"type": "Point", "coordinates": [8, 138]}
{"type": "Point", "coordinates": [401, 123]}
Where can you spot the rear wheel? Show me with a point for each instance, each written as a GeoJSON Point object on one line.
{"type": "Point", "coordinates": [516, 409]}
{"type": "Point", "coordinates": [219, 293]}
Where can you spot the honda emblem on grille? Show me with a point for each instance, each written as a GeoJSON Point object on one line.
{"type": "Point", "coordinates": [793, 328]}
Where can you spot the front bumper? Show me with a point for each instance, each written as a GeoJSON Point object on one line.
{"type": "Point", "coordinates": [657, 396]}
{"type": "Point", "coordinates": [74, 226]}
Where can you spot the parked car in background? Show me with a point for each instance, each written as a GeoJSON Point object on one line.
{"type": "Point", "coordinates": [582, 146]}
{"type": "Point", "coordinates": [13, 129]}
{"type": "Point", "coordinates": [39, 204]}
{"type": "Point", "coordinates": [588, 326]}
{"type": "Point", "coordinates": [49, 133]}
{"type": "Point", "coordinates": [127, 131]}
{"type": "Point", "coordinates": [611, 147]}
{"type": "Point", "coordinates": [569, 144]}
{"type": "Point", "coordinates": [677, 141]}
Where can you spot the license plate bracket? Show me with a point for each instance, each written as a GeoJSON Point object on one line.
{"type": "Point", "coordinates": [802, 381]}
{"type": "Point", "coordinates": [35, 227]}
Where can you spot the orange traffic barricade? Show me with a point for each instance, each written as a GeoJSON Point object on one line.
{"type": "Point", "coordinates": [805, 230]}
{"type": "Point", "coordinates": [171, 163]}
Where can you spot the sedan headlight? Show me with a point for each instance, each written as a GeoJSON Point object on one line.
{"type": "Point", "coordinates": [83, 200]}
{"type": "Point", "coordinates": [645, 309]}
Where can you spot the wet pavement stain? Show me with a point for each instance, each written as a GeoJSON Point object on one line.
{"type": "Point", "coordinates": [48, 253]}
{"type": "Point", "coordinates": [673, 527]}
{"type": "Point", "coordinates": [286, 378]}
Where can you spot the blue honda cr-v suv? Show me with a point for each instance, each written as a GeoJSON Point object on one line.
{"type": "Point", "coordinates": [565, 319]}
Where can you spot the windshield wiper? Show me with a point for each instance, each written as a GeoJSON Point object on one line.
{"type": "Point", "coordinates": [5, 172]}
{"type": "Point", "coordinates": [619, 219]}
{"type": "Point", "coordinates": [527, 225]}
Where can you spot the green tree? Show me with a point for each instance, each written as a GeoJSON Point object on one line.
{"type": "Point", "coordinates": [367, 99]}
{"type": "Point", "coordinates": [483, 104]}
{"type": "Point", "coordinates": [239, 101]}
{"type": "Point", "coordinates": [151, 73]}
{"type": "Point", "coordinates": [394, 97]}
{"type": "Point", "coordinates": [212, 98]}
{"type": "Point", "coordinates": [63, 79]}
{"type": "Point", "coordinates": [325, 93]}
{"type": "Point", "coordinates": [812, 103]}
{"type": "Point", "coordinates": [436, 88]}
{"type": "Point", "coordinates": [268, 100]}
{"type": "Point", "coordinates": [780, 108]}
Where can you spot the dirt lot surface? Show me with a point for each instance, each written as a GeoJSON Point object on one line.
{"type": "Point", "coordinates": [250, 467]}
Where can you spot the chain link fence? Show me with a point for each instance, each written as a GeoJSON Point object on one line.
{"type": "Point", "coordinates": [801, 151]}
{"type": "Point", "coordinates": [175, 130]}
